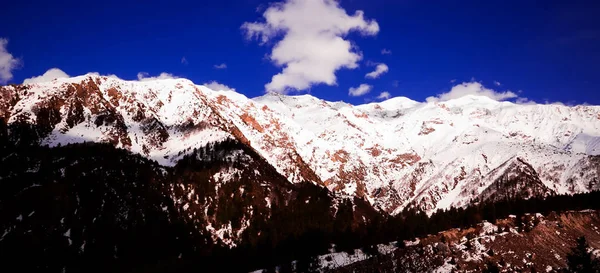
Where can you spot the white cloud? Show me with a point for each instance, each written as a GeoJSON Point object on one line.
{"type": "Point", "coordinates": [472, 88]}
{"type": "Point", "coordinates": [360, 90]}
{"type": "Point", "coordinates": [497, 83]}
{"type": "Point", "coordinates": [106, 75]}
{"type": "Point", "coordinates": [379, 70]}
{"type": "Point", "coordinates": [184, 60]}
{"type": "Point", "coordinates": [51, 74]}
{"type": "Point", "coordinates": [311, 45]}
{"type": "Point", "coordinates": [525, 101]}
{"type": "Point", "coordinates": [220, 66]}
{"type": "Point", "coordinates": [218, 86]}
{"type": "Point", "coordinates": [8, 63]}
{"type": "Point", "coordinates": [386, 51]}
{"type": "Point", "coordinates": [384, 95]}
{"type": "Point", "coordinates": [452, 80]}
{"type": "Point", "coordinates": [143, 76]}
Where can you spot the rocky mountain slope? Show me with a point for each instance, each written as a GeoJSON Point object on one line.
{"type": "Point", "coordinates": [539, 244]}
{"type": "Point", "coordinates": [395, 154]}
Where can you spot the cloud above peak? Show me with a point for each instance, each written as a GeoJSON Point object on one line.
{"type": "Point", "coordinates": [384, 95]}
{"type": "Point", "coordinates": [473, 88]}
{"type": "Point", "coordinates": [309, 41]}
{"type": "Point", "coordinates": [215, 86]}
{"type": "Point", "coordinates": [143, 76]}
{"type": "Point", "coordinates": [380, 69]}
{"type": "Point", "coordinates": [360, 90]}
{"type": "Point", "coordinates": [8, 63]}
{"type": "Point", "coordinates": [49, 75]}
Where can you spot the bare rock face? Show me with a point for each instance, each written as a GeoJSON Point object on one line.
{"type": "Point", "coordinates": [394, 154]}
{"type": "Point", "coordinates": [519, 181]}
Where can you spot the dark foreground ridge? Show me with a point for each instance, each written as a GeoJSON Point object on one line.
{"type": "Point", "coordinates": [92, 207]}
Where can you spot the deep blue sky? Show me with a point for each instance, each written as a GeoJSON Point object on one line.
{"type": "Point", "coordinates": [548, 49]}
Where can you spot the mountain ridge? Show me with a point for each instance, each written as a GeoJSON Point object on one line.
{"type": "Point", "coordinates": [395, 153]}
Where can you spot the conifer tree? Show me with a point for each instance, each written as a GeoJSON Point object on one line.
{"type": "Point", "coordinates": [491, 267]}
{"type": "Point", "coordinates": [580, 260]}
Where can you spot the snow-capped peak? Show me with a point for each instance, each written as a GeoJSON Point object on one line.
{"type": "Point", "coordinates": [398, 102]}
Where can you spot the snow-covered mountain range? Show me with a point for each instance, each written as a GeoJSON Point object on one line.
{"type": "Point", "coordinates": [395, 153]}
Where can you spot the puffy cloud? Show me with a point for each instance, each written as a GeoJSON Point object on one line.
{"type": "Point", "coordinates": [311, 45]}
{"type": "Point", "coordinates": [497, 83]}
{"type": "Point", "coordinates": [105, 75]}
{"type": "Point", "coordinates": [218, 86]}
{"type": "Point", "coordinates": [472, 88]}
{"type": "Point", "coordinates": [384, 95]}
{"type": "Point", "coordinates": [8, 63]}
{"type": "Point", "coordinates": [386, 51]}
{"type": "Point", "coordinates": [360, 90]}
{"type": "Point", "coordinates": [524, 101]}
{"type": "Point", "coordinates": [184, 60]}
{"type": "Point", "coordinates": [51, 74]}
{"type": "Point", "coordinates": [220, 66]}
{"type": "Point", "coordinates": [380, 69]}
{"type": "Point", "coordinates": [143, 76]}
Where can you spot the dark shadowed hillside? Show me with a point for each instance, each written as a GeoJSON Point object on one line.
{"type": "Point", "coordinates": [87, 207]}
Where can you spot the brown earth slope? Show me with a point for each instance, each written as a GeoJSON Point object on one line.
{"type": "Point", "coordinates": [540, 244]}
